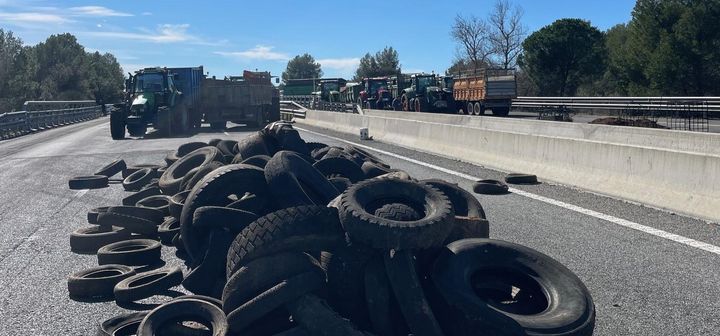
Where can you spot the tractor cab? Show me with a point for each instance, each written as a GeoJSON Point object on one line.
{"type": "Point", "coordinates": [329, 89]}
{"type": "Point", "coordinates": [375, 94]}
{"type": "Point", "coordinates": [151, 88]}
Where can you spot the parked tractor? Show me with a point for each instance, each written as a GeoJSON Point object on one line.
{"type": "Point", "coordinates": [155, 97]}
{"type": "Point", "coordinates": [329, 89]}
{"type": "Point", "coordinates": [424, 95]}
{"type": "Point", "coordinates": [375, 94]}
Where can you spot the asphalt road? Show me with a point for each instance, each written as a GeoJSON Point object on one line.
{"type": "Point", "coordinates": [642, 284]}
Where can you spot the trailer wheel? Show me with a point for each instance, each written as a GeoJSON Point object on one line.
{"type": "Point", "coordinates": [478, 109]}
{"type": "Point", "coordinates": [470, 110]}
{"type": "Point", "coordinates": [117, 126]}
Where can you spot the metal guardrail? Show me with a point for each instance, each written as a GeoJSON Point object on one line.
{"type": "Point", "coordinates": [290, 109]}
{"type": "Point", "coordinates": [618, 103]}
{"type": "Point", "coordinates": [13, 124]}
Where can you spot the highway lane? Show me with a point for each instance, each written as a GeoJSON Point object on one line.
{"type": "Point", "coordinates": [642, 284]}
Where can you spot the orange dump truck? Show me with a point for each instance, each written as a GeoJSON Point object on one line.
{"type": "Point", "coordinates": [493, 89]}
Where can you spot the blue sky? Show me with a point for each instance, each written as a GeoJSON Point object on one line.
{"type": "Point", "coordinates": [229, 36]}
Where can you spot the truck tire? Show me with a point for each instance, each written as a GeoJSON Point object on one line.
{"type": "Point", "coordinates": [470, 108]}
{"type": "Point", "coordinates": [117, 126]}
{"type": "Point", "coordinates": [501, 111]}
{"type": "Point", "coordinates": [97, 282]}
{"type": "Point", "coordinates": [477, 109]}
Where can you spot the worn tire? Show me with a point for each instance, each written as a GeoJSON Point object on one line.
{"type": "Point", "coordinates": [135, 197]}
{"type": "Point", "coordinates": [88, 240]}
{"type": "Point", "coordinates": [304, 228]}
{"type": "Point", "coordinates": [88, 182]}
{"type": "Point", "coordinates": [112, 168]}
{"type": "Point", "coordinates": [490, 187]}
{"type": "Point", "coordinates": [317, 318]}
{"type": "Point", "coordinates": [190, 180]}
{"type": "Point", "coordinates": [130, 223]}
{"type": "Point", "coordinates": [359, 203]}
{"type": "Point", "coordinates": [340, 166]}
{"type": "Point", "coordinates": [138, 179]}
{"type": "Point", "coordinates": [208, 218]}
{"type": "Point", "coordinates": [156, 202]}
{"type": "Point", "coordinates": [294, 182]}
{"type": "Point", "coordinates": [372, 169]}
{"type": "Point", "coordinates": [134, 252]}
{"type": "Point", "coordinates": [125, 324]}
{"type": "Point", "coordinates": [172, 178]}
{"type": "Point", "coordinates": [259, 161]}
{"type": "Point", "coordinates": [92, 215]}
{"type": "Point", "coordinates": [152, 215]}
{"type": "Point", "coordinates": [340, 183]}
{"type": "Point", "coordinates": [214, 190]}
{"type": "Point", "coordinates": [145, 285]}
{"type": "Point", "coordinates": [551, 301]}
{"type": "Point", "coordinates": [210, 271]}
{"type": "Point", "coordinates": [168, 229]}
{"type": "Point", "coordinates": [252, 145]}
{"type": "Point", "coordinates": [187, 309]}
{"type": "Point", "coordinates": [517, 178]}
{"type": "Point", "coordinates": [176, 203]}
{"type": "Point", "coordinates": [97, 282]}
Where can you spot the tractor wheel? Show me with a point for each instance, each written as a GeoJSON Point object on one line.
{"type": "Point", "coordinates": [418, 104]}
{"type": "Point", "coordinates": [405, 103]}
{"type": "Point", "coordinates": [117, 126]}
{"type": "Point", "coordinates": [470, 109]}
{"type": "Point", "coordinates": [478, 109]}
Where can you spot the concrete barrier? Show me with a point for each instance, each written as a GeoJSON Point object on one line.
{"type": "Point", "coordinates": [683, 181]}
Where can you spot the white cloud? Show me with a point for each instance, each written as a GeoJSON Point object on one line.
{"type": "Point", "coordinates": [343, 64]}
{"type": "Point", "coordinates": [33, 17]}
{"type": "Point", "coordinates": [259, 52]}
{"type": "Point", "coordinates": [165, 33]}
{"type": "Point", "coordinates": [95, 11]}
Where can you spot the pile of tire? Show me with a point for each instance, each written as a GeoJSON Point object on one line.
{"type": "Point", "coordinates": [286, 237]}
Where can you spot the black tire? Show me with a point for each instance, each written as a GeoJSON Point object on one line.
{"type": "Point", "coordinates": [551, 299]}
{"type": "Point", "coordinates": [92, 215]}
{"type": "Point", "coordinates": [273, 298]}
{"type": "Point", "coordinates": [263, 273]}
{"type": "Point", "coordinates": [359, 203]}
{"type": "Point", "coordinates": [135, 197]}
{"type": "Point", "coordinates": [378, 296]}
{"type": "Point", "coordinates": [88, 182]}
{"type": "Point", "coordinates": [304, 228]}
{"type": "Point", "coordinates": [156, 202]}
{"type": "Point", "coordinates": [89, 239]}
{"type": "Point", "coordinates": [340, 183]}
{"type": "Point", "coordinates": [259, 161]}
{"type": "Point", "coordinates": [208, 276]}
{"type": "Point", "coordinates": [490, 187]}
{"type": "Point", "coordinates": [138, 179]}
{"type": "Point", "coordinates": [172, 178]}
{"type": "Point", "coordinates": [317, 318]}
{"type": "Point", "coordinates": [177, 202]}
{"type": "Point", "coordinates": [112, 168]}
{"type": "Point", "coordinates": [405, 283]}
{"type": "Point", "coordinates": [397, 212]}
{"type": "Point", "coordinates": [340, 166]}
{"type": "Point", "coordinates": [137, 130]}
{"type": "Point", "coordinates": [214, 190]}
{"type": "Point", "coordinates": [168, 229]}
{"type": "Point", "coordinates": [313, 146]}
{"type": "Point", "coordinates": [190, 147]}
{"type": "Point", "coordinates": [290, 140]}
{"type": "Point", "coordinates": [208, 218]}
{"type": "Point", "coordinates": [345, 267]}
{"type": "Point", "coordinates": [125, 324]}
{"type": "Point", "coordinates": [372, 169]}
{"type": "Point", "coordinates": [213, 142]}
{"type": "Point", "coordinates": [190, 180]}
{"type": "Point", "coordinates": [134, 252]}
{"type": "Point", "coordinates": [145, 285]}
{"type": "Point", "coordinates": [227, 147]}
{"type": "Point", "coordinates": [180, 310]}
{"type": "Point", "coordinates": [117, 125]}
{"type": "Point", "coordinates": [517, 178]}
{"type": "Point", "coordinates": [131, 169]}
{"type": "Point", "coordinates": [260, 206]}
{"type": "Point", "coordinates": [319, 153]}
{"type": "Point", "coordinates": [294, 182]}
{"type": "Point", "coordinates": [252, 145]}
{"type": "Point", "coordinates": [97, 282]}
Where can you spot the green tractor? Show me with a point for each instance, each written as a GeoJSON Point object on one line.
{"type": "Point", "coordinates": [424, 95]}
{"type": "Point", "coordinates": [329, 89]}
{"type": "Point", "coordinates": [153, 97]}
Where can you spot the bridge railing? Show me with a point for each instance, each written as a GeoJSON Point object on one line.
{"type": "Point", "coordinates": [13, 124]}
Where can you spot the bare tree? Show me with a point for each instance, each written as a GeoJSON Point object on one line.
{"type": "Point", "coordinates": [506, 33]}
{"type": "Point", "coordinates": [472, 35]}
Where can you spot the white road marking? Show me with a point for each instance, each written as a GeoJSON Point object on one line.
{"type": "Point", "coordinates": [592, 213]}
{"type": "Point", "coordinates": [226, 133]}
{"type": "Point", "coordinates": [80, 193]}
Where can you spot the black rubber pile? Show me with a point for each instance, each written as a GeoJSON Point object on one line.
{"type": "Point", "coordinates": [284, 237]}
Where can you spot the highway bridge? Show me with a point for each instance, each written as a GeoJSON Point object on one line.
{"type": "Point", "coordinates": [650, 271]}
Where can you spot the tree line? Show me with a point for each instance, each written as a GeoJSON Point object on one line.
{"type": "Point", "coordinates": [57, 69]}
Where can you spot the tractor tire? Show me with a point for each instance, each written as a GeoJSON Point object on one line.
{"type": "Point", "coordinates": [418, 104]}
{"type": "Point", "coordinates": [117, 126]}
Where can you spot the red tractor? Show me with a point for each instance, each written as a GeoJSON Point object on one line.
{"type": "Point", "coordinates": [375, 94]}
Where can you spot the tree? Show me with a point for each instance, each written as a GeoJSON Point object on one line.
{"type": "Point", "coordinates": [460, 65]}
{"type": "Point", "coordinates": [506, 33]}
{"type": "Point", "coordinates": [471, 33]}
{"type": "Point", "coordinates": [672, 48]}
{"type": "Point", "coordinates": [302, 66]}
{"type": "Point", "coordinates": [385, 62]}
{"type": "Point", "coordinates": [10, 54]}
{"type": "Point", "coordinates": [561, 56]}
{"type": "Point", "coordinates": [106, 78]}
{"type": "Point", "coordinates": [63, 69]}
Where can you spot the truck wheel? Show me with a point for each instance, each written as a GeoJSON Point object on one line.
{"type": "Point", "coordinates": [478, 109]}
{"type": "Point", "coordinates": [218, 125]}
{"type": "Point", "coordinates": [501, 111]}
{"type": "Point", "coordinates": [470, 109]}
{"type": "Point", "coordinates": [117, 126]}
